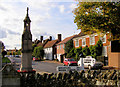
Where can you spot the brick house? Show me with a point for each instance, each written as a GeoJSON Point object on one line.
{"type": "Point", "coordinates": [61, 46]}
{"type": "Point", "coordinates": [50, 48]}
{"type": "Point", "coordinates": [87, 40]}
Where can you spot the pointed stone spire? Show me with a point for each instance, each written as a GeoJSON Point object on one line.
{"type": "Point", "coordinates": [27, 19]}
{"type": "Point", "coordinates": [27, 11]}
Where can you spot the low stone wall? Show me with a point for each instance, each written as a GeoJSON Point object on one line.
{"type": "Point", "coordinates": [11, 78]}
{"type": "Point", "coordinates": [72, 79]}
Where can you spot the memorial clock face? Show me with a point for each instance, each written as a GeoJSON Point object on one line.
{"type": "Point", "coordinates": [27, 24]}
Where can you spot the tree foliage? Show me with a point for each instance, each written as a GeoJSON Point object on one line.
{"type": "Point", "coordinates": [68, 46]}
{"type": "Point", "coordinates": [4, 53]}
{"type": "Point", "coordinates": [77, 51]}
{"type": "Point", "coordinates": [98, 16]}
{"type": "Point", "coordinates": [33, 46]}
{"type": "Point", "coordinates": [38, 52]}
{"type": "Point", "coordinates": [86, 51]}
{"type": "Point", "coordinates": [71, 54]}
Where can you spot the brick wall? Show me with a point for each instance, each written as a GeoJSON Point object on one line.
{"type": "Point", "coordinates": [60, 51]}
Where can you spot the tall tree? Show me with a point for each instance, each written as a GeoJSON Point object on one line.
{"type": "Point", "coordinates": [38, 52]}
{"type": "Point", "coordinates": [98, 16]}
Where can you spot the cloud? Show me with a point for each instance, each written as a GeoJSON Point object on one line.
{"type": "Point", "coordinates": [3, 34]}
{"type": "Point", "coordinates": [45, 16]}
{"type": "Point", "coordinates": [73, 6]}
{"type": "Point", "coordinates": [12, 32]}
{"type": "Point", "coordinates": [62, 8]}
{"type": "Point", "coordinates": [2, 8]}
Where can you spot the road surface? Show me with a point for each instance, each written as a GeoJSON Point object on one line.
{"type": "Point", "coordinates": [40, 66]}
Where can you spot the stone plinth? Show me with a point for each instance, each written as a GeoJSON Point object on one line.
{"type": "Point", "coordinates": [10, 77]}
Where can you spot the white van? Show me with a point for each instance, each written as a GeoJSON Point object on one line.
{"type": "Point", "coordinates": [90, 62]}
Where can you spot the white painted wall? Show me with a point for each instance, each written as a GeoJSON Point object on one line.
{"type": "Point", "coordinates": [58, 56]}
{"type": "Point", "coordinates": [48, 53]}
{"type": "Point", "coordinates": [104, 51]}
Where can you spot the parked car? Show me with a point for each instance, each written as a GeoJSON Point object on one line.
{"type": "Point", "coordinates": [35, 59]}
{"type": "Point", "coordinates": [90, 62]}
{"type": "Point", "coordinates": [69, 62]}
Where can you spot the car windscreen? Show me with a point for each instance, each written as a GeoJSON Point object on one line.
{"type": "Point", "coordinates": [71, 60]}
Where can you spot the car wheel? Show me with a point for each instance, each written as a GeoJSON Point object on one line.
{"type": "Point", "coordinates": [89, 67]}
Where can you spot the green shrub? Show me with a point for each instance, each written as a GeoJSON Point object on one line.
{"type": "Point", "coordinates": [6, 60]}
{"type": "Point", "coordinates": [77, 52]}
{"type": "Point", "coordinates": [71, 54]}
{"type": "Point", "coordinates": [86, 51]}
{"type": "Point", "coordinates": [38, 52]}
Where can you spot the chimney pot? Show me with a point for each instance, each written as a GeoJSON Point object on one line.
{"type": "Point", "coordinates": [41, 38]}
{"type": "Point", "coordinates": [50, 38]}
{"type": "Point", "coordinates": [59, 37]}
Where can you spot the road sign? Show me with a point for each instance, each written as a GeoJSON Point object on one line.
{"type": "Point", "coordinates": [68, 68]}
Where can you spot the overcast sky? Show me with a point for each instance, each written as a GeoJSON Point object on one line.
{"type": "Point", "coordinates": [49, 18]}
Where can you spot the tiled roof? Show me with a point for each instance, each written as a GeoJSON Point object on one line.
{"type": "Point", "coordinates": [50, 43]}
{"type": "Point", "coordinates": [43, 44]}
{"type": "Point", "coordinates": [67, 39]}
{"type": "Point", "coordinates": [81, 34]}
{"type": "Point", "coordinates": [40, 44]}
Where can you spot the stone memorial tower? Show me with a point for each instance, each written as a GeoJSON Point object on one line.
{"type": "Point", "coordinates": [26, 60]}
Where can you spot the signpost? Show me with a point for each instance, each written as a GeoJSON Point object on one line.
{"type": "Point", "coordinates": [68, 68]}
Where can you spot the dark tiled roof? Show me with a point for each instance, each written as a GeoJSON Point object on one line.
{"type": "Point", "coordinates": [50, 43]}
{"type": "Point", "coordinates": [43, 44]}
{"type": "Point", "coordinates": [67, 39]}
{"type": "Point", "coordinates": [40, 44]}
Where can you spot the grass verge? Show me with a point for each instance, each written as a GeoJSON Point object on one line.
{"type": "Point", "coordinates": [5, 60]}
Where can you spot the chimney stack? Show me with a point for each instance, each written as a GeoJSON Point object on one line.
{"type": "Point", "coordinates": [50, 38]}
{"type": "Point", "coordinates": [41, 38]}
{"type": "Point", "coordinates": [59, 37]}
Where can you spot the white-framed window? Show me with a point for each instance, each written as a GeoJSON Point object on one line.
{"type": "Point", "coordinates": [83, 41]}
{"type": "Point", "coordinates": [103, 39]}
{"type": "Point", "coordinates": [77, 43]}
{"type": "Point", "coordinates": [57, 46]}
{"type": "Point", "coordinates": [63, 46]}
{"type": "Point", "coordinates": [92, 40]}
